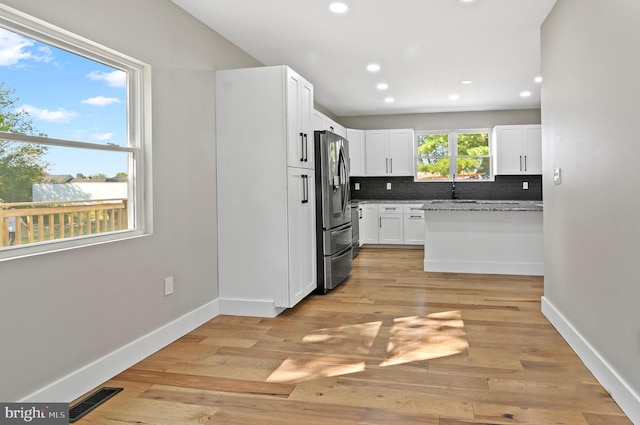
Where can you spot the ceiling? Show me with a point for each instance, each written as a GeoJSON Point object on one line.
{"type": "Point", "coordinates": [425, 49]}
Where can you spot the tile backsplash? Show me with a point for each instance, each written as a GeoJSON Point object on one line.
{"type": "Point", "coordinates": [404, 188]}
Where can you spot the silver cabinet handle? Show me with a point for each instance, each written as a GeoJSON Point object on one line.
{"type": "Point", "coordinates": [525, 163]}
{"type": "Point", "coordinates": [301, 147]}
{"type": "Point", "coordinates": [391, 167]}
{"type": "Point", "coordinates": [520, 162]}
{"type": "Point", "coordinates": [380, 222]}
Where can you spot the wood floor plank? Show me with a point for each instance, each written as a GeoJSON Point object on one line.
{"type": "Point", "coordinates": [392, 345]}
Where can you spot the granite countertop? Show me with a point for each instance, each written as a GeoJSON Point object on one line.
{"type": "Point", "coordinates": [390, 201]}
{"type": "Point", "coordinates": [480, 205]}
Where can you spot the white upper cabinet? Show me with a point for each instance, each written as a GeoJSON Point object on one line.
{"type": "Point", "coordinates": [299, 127]}
{"type": "Point", "coordinates": [389, 152]}
{"type": "Point", "coordinates": [356, 152]}
{"type": "Point", "coordinates": [518, 149]}
{"type": "Point", "coordinates": [323, 122]}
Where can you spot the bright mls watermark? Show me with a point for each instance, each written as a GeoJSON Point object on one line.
{"type": "Point", "coordinates": [34, 413]}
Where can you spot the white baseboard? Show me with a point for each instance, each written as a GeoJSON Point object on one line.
{"type": "Point", "coordinates": [92, 375]}
{"type": "Point", "coordinates": [626, 398]}
{"type": "Point", "coordinates": [242, 307]}
{"type": "Point", "coordinates": [484, 267]}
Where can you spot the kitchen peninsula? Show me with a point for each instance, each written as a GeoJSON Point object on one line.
{"type": "Point", "coordinates": [494, 237]}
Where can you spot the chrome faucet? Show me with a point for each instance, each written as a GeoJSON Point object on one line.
{"type": "Point", "coordinates": [453, 188]}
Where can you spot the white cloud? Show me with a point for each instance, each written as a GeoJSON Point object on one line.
{"type": "Point", "coordinates": [15, 48]}
{"type": "Point", "coordinates": [113, 79]}
{"type": "Point", "coordinates": [101, 101]}
{"type": "Point", "coordinates": [60, 115]}
{"type": "Point", "coordinates": [102, 136]}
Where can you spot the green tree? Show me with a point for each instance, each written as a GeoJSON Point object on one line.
{"type": "Point", "coordinates": [476, 146]}
{"type": "Point", "coordinates": [21, 164]}
{"type": "Point", "coordinates": [472, 156]}
{"type": "Point", "coordinates": [433, 152]}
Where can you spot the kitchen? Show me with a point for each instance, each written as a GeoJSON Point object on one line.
{"type": "Point", "coordinates": [572, 210]}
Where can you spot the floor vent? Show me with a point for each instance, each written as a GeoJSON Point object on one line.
{"type": "Point", "coordinates": [86, 405]}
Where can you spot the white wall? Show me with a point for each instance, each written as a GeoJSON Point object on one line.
{"type": "Point", "coordinates": [61, 311]}
{"type": "Point", "coordinates": [590, 115]}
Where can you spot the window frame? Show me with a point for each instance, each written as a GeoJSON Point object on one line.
{"type": "Point", "coordinates": [453, 156]}
{"type": "Point", "coordinates": [138, 131]}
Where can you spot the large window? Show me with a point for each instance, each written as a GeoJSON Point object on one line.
{"type": "Point", "coordinates": [72, 139]}
{"type": "Point", "coordinates": [445, 155]}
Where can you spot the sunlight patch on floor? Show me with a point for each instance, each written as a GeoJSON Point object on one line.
{"type": "Point", "coordinates": [423, 338]}
{"type": "Point", "coordinates": [411, 339]}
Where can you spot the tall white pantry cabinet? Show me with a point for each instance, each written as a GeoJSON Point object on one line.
{"type": "Point", "coordinates": [265, 190]}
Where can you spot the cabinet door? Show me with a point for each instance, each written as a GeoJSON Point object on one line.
{"type": "Point", "coordinates": [509, 150]}
{"type": "Point", "coordinates": [369, 228]}
{"type": "Point", "coordinates": [356, 152]}
{"type": "Point", "coordinates": [301, 226]}
{"type": "Point", "coordinates": [376, 152]}
{"type": "Point", "coordinates": [532, 147]}
{"type": "Point", "coordinates": [391, 229]}
{"type": "Point", "coordinates": [401, 152]}
{"type": "Point", "coordinates": [299, 121]}
{"type": "Point", "coordinates": [316, 121]}
{"type": "Point", "coordinates": [361, 226]}
{"type": "Point", "coordinates": [414, 228]}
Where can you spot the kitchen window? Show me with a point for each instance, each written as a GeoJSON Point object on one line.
{"type": "Point", "coordinates": [459, 154]}
{"type": "Point", "coordinates": [73, 146]}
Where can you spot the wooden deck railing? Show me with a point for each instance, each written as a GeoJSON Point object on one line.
{"type": "Point", "coordinates": [44, 221]}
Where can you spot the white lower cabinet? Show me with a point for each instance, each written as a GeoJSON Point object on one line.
{"type": "Point", "coordinates": [369, 224]}
{"type": "Point", "coordinates": [413, 224]}
{"type": "Point", "coordinates": [301, 223]}
{"type": "Point", "coordinates": [391, 224]}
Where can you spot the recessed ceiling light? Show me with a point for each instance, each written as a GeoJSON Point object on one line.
{"type": "Point", "coordinates": [389, 99]}
{"type": "Point", "coordinates": [382, 86]}
{"type": "Point", "coordinates": [466, 82]}
{"type": "Point", "coordinates": [373, 67]}
{"type": "Point", "coordinates": [338, 7]}
{"type": "Point", "coordinates": [538, 79]}
{"type": "Point", "coordinates": [525, 93]}
{"type": "Point", "coordinates": [454, 97]}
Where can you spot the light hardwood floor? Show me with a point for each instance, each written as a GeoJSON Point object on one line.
{"type": "Point", "coordinates": [393, 345]}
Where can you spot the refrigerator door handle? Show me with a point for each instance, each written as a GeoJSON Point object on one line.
{"type": "Point", "coordinates": [344, 180]}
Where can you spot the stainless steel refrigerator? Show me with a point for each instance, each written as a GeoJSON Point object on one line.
{"type": "Point", "coordinates": [333, 210]}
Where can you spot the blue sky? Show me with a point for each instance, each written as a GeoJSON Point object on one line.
{"type": "Point", "coordinates": [67, 97]}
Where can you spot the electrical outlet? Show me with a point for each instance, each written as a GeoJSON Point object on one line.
{"type": "Point", "coordinates": [357, 186]}
{"type": "Point", "coordinates": [525, 185]}
{"type": "Point", "coordinates": [388, 186]}
{"type": "Point", "coordinates": [168, 285]}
